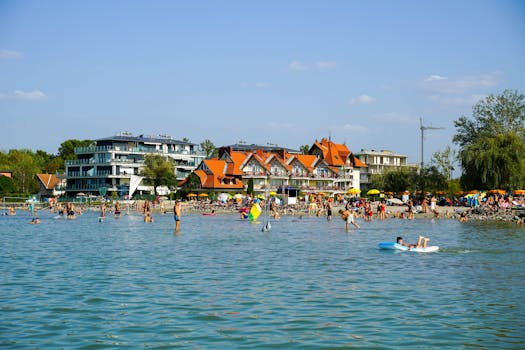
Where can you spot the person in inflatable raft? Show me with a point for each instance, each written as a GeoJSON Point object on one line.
{"type": "Point", "coordinates": [421, 242]}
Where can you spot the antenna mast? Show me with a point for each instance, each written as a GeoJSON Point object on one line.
{"type": "Point", "coordinates": [423, 128]}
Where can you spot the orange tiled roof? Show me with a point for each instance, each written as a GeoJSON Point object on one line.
{"type": "Point", "coordinates": [359, 163]}
{"type": "Point", "coordinates": [307, 160]}
{"type": "Point", "coordinates": [214, 176]}
{"type": "Point", "coordinates": [237, 158]}
{"type": "Point", "coordinates": [50, 181]}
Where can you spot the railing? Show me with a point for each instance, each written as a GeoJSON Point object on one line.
{"type": "Point", "coordinates": [79, 161]}
{"type": "Point", "coordinates": [105, 161]}
{"type": "Point", "coordinates": [86, 174]}
{"type": "Point", "coordinates": [279, 174]}
{"type": "Point", "coordinates": [188, 165]}
{"type": "Point", "coordinates": [319, 188]}
{"type": "Point", "coordinates": [84, 187]}
{"type": "Point", "coordinates": [254, 174]}
{"type": "Point", "coordinates": [93, 149]}
{"type": "Point", "coordinates": [139, 149]}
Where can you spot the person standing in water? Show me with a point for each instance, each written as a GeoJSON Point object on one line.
{"type": "Point", "coordinates": [177, 212]}
{"type": "Point", "coordinates": [348, 217]}
{"type": "Point", "coordinates": [329, 210]}
{"type": "Point", "coordinates": [117, 208]}
{"type": "Point", "coordinates": [102, 212]}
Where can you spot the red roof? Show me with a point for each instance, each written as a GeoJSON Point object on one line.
{"type": "Point", "coordinates": [49, 181]}
{"type": "Point", "coordinates": [213, 175]}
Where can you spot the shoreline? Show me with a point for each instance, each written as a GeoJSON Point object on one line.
{"type": "Point", "coordinates": [393, 212]}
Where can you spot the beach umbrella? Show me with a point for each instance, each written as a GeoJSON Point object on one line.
{"type": "Point", "coordinates": [372, 192]}
{"type": "Point", "coordinates": [203, 195]}
{"type": "Point", "coordinates": [473, 192]}
{"type": "Point", "coordinates": [519, 192]}
{"type": "Point", "coordinates": [273, 193]}
{"type": "Point", "coordinates": [502, 192]}
{"type": "Point", "coordinates": [223, 197]}
{"type": "Point", "coordinates": [353, 191]}
{"type": "Point", "coordinates": [396, 201]}
{"type": "Point", "coordinates": [191, 195]}
{"type": "Point", "coordinates": [81, 194]}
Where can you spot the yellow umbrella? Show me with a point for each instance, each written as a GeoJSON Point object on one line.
{"type": "Point", "coordinates": [497, 192]}
{"type": "Point", "coordinates": [273, 193]}
{"type": "Point", "coordinates": [203, 195]}
{"type": "Point", "coordinates": [373, 191]}
{"type": "Point", "coordinates": [353, 191]}
{"type": "Point", "coordinates": [191, 195]}
{"type": "Point", "coordinates": [519, 192]}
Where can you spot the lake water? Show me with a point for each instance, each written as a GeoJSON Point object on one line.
{"type": "Point", "coordinates": [224, 284]}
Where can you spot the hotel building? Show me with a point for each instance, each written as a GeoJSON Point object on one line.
{"type": "Point", "coordinates": [114, 164]}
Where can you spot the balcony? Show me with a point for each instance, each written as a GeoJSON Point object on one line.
{"type": "Point", "coordinates": [138, 149]}
{"type": "Point", "coordinates": [92, 149]}
{"type": "Point", "coordinates": [255, 174]}
{"type": "Point", "coordinates": [104, 161]}
{"type": "Point", "coordinates": [84, 187]}
{"type": "Point", "coordinates": [75, 174]}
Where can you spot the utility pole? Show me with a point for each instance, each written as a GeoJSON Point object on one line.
{"type": "Point", "coordinates": [423, 128]}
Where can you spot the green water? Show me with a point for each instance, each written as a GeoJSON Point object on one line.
{"type": "Point", "coordinates": [224, 284]}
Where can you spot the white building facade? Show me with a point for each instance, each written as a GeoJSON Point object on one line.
{"type": "Point", "coordinates": [114, 164]}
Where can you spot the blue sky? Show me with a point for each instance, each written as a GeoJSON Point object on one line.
{"type": "Point", "coordinates": [284, 72]}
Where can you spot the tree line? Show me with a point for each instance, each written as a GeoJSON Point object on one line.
{"type": "Point", "coordinates": [491, 152]}
{"type": "Point", "coordinates": [25, 164]}
{"type": "Point", "coordinates": [491, 155]}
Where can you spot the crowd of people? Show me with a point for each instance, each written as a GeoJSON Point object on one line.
{"type": "Point", "coordinates": [349, 209]}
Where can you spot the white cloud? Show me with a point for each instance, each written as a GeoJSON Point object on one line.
{"type": "Point", "coordinates": [460, 85]}
{"type": "Point", "coordinates": [356, 128]}
{"type": "Point", "coordinates": [35, 95]}
{"type": "Point", "coordinates": [298, 65]}
{"type": "Point", "coordinates": [322, 65]}
{"type": "Point", "coordinates": [10, 54]}
{"type": "Point", "coordinates": [362, 100]}
{"type": "Point", "coordinates": [326, 65]}
{"type": "Point", "coordinates": [260, 85]}
{"type": "Point", "coordinates": [434, 78]}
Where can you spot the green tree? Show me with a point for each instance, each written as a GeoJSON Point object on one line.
{"type": "Point", "coordinates": [66, 151]}
{"type": "Point", "coordinates": [430, 179]}
{"type": "Point", "coordinates": [377, 181]}
{"type": "Point", "coordinates": [25, 167]}
{"type": "Point", "coordinates": [209, 148]}
{"type": "Point", "coordinates": [492, 142]}
{"type": "Point", "coordinates": [185, 139]}
{"type": "Point", "coordinates": [192, 184]}
{"type": "Point", "coordinates": [7, 186]}
{"type": "Point", "coordinates": [444, 161]}
{"type": "Point", "coordinates": [399, 180]}
{"type": "Point", "coordinates": [159, 171]}
{"type": "Point", "coordinates": [494, 161]}
{"type": "Point", "coordinates": [250, 190]}
{"type": "Point", "coordinates": [453, 187]}
{"type": "Point", "coordinates": [55, 165]}
{"type": "Point", "coordinates": [304, 149]}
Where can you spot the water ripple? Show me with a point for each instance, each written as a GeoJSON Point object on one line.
{"type": "Point", "coordinates": [222, 283]}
